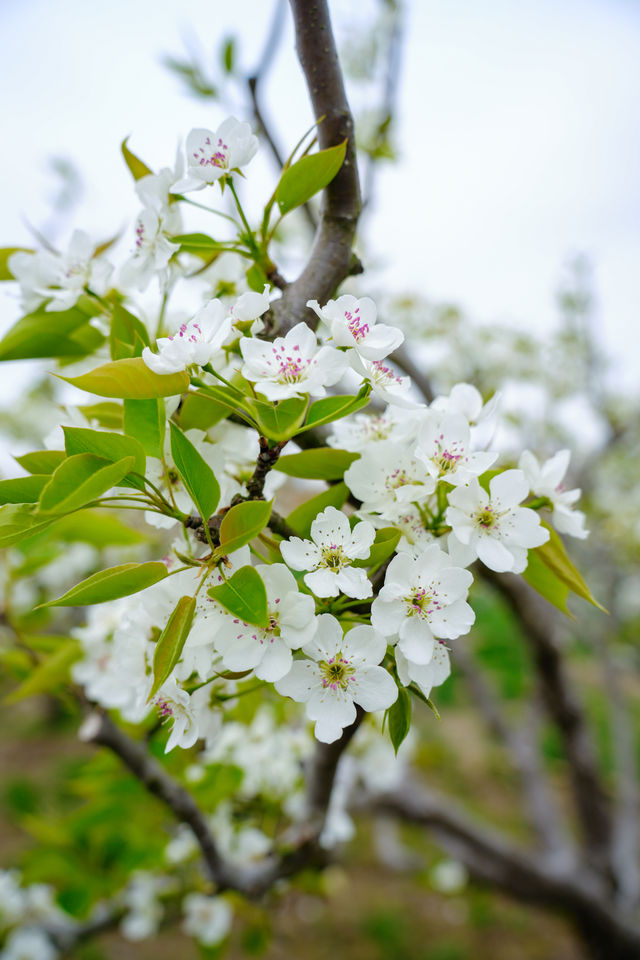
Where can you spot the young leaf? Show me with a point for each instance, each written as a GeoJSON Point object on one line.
{"type": "Point", "coordinates": [80, 479]}
{"type": "Point", "coordinates": [19, 521]}
{"type": "Point", "coordinates": [244, 595]}
{"type": "Point", "coordinates": [399, 717]}
{"type": "Point", "coordinates": [107, 413]}
{"type": "Point", "coordinates": [307, 176]}
{"type": "Point", "coordinates": [128, 336]}
{"type": "Point", "coordinates": [280, 421]}
{"type": "Point", "coordinates": [325, 463]}
{"type": "Point", "coordinates": [23, 489]}
{"type": "Point", "coordinates": [41, 461]}
{"type": "Point", "coordinates": [144, 420]}
{"type": "Point", "coordinates": [256, 278]}
{"type": "Point", "coordinates": [99, 528]}
{"type": "Point", "coordinates": [199, 411]}
{"type": "Point", "coordinates": [242, 523]}
{"type": "Point", "coordinates": [112, 584]}
{"type": "Point", "coordinates": [554, 555]}
{"type": "Point", "coordinates": [334, 408]}
{"type": "Point", "coordinates": [49, 673]}
{"type": "Point", "coordinates": [198, 243]}
{"type": "Point", "coordinates": [383, 546]}
{"type": "Point", "coordinates": [43, 334]}
{"type": "Point", "coordinates": [5, 254]}
{"type": "Point", "coordinates": [539, 576]}
{"type": "Point", "coordinates": [137, 168]}
{"type": "Point", "coordinates": [197, 475]}
{"type": "Point", "coordinates": [130, 379]}
{"type": "Point", "coordinates": [111, 446]}
{"type": "Point", "coordinates": [171, 641]}
{"type": "Point", "coordinates": [303, 516]}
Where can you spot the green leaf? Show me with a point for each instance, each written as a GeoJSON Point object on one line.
{"type": "Point", "coordinates": [98, 528]}
{"type": "Point", "coordinates": [19, 521]}
{"type": "Point", "coordinates": [307, 176]}
{"type": "Point", "coordinates": [49, 673]}
{"type": "Point", "coordinates": [130, 379]}
{"type": "Point", "coordinates": [80, 479]}
{"type": "Point", "coordinates": [128, 335]}
{"type": "Point", "coordinates": [399, 717]}
{"type": "Point", "coordinates": [334, 408]}
{"type": "Point", "coordinates": [41, 461]}
{"type": "Point", "coordinates": [554, 555]}
{"type": "Point", "coordinates": [171, 641]}
{"type": "Point", "coordinates": [110, 446]}
{"type": "Point", "coordinates": [303, 516]}
{"type": "Point", "coordinates": [144, 420]}
{"type": "Point", "coordinates": [200, 411]}
{"type": "Point", "coordinates": [256, 278]}
{"type": "Point", "coordinates": [107, 413]}
{"type": "Point", "coordinates": [539, 576]}
{"type": "Point", "coordinates": [137, 168]}
{"type": "Point", "coordinates": [5, 253]}
{"type": "Point", "coordinates": [227, 54]}
{"type": "Point", "coordinates": [244, 595]}
{"type": "Point", "coordinates": [197, 475]}
{"type": "Point", "coordinates": [112, 584]}
{"type": "Point", "coordinates": [415, 691]}
{"type": "Point", "coordinates": [384, 544]}
{"type": "Point", "coordinates": [280, 421]}
{"type": "Point", "coordinates": [200, 244]}
{"type": "Point", "coordinates": [23, 489]}
{"type": "Point", "coordinates": [242, 524]}
{"type": "Point", "coordinates": [324, 463]}
{"type": "Point", "coordinates": [47, 334]}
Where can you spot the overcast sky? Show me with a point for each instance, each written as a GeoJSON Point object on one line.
{"type": "Point", "coordinates": [519, 134]}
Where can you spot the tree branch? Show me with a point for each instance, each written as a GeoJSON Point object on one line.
{"type": "Point", "coordinates": [331, 255]}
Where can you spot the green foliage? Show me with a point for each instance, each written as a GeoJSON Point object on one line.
{"type": "Point", "coordinates": [79, 480]}
{"type": "Point", "coordinates": [303, 516]}
{"type": "Point", "coordinates": [128, 336]}
{"type": "Point", "coordinates": [334, 408]}
{"type": "Point", "coordinates": [171, 641]}
{"type": "Point", "coordinates": [109, 446]}
{"type": "Point", "coordinates": [201, 411]}
{"type": "Point", "coordinates": [137, 167]}
{"type": "Point", "coordinates": [280, 421]}
{"type": "Point", "coordinates": [5, 254]}
{"type": "Point", "coordinates": [50, 672]}
{"type": "Point", "coordinates": [197, 475]}
{"type": "Point", "coordinates": [542, 578]}
{"type": "Point", "coordinates": [242, 524]}
{"type": "Point", "coordinates": [554, 556]}
{"type": "Point", "coordinates": [399, 718]}
{"type": "Point", "coordinates": [384, 545]}
{"type": "Point", "coordinates": [130, 379]}
{"type": "Point", "coordinates": [199, 244]}
{"type": "Point", "coordinates": [23, 489]}
{"type": "Point", "coordinates": [303, 179]}
{"type": "Point", "coordinates": [144, 420]}
{"type": "Point", "coordinates": [244, 595]}
{"type": "Point", "coordinates": [41, 461]}
{"type": "Point", "coordinates": [51, 334]}
{"type": "Point", "coordinates": [323, 463]}
{"type": "Point", "coordinates": [111, 584]}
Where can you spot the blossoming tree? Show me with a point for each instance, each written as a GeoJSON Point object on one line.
{"type": "Point", "coordinates": [342, 595]}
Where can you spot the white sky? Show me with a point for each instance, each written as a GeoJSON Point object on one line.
{"type": "Point", "coordinates": [519, 137]}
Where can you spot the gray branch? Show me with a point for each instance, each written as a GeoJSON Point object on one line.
{"type": "Point", "coordinates": [330, 260]}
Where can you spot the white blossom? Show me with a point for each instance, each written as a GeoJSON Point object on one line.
{"type": "Point", "coordinates": [465, 400]}
{"type": "Point", "coordinates": [208, 919]}
{"type": "Point", "coordinates": [421, 600]}
{"type": "Point", "coordinates": [60, 278]}
{"type": "Point", "coordinates": [444, 448]}
{"type": "Point", "coordinates": [342, 670]}
{"type": "Point", "coordinates": [546, 481]}
{"type": "Point", "coordinates": [249, 307]}
{"type": "Point", "coordinates": [291, 365]}
{"type": "Point", "coordinates": [145, 911]}
{"type": "Point", "coordinates": [211, 155]}
{"type": "Point", "coordinates": [492, 526]}
{"type": "Point", "coordinates": [387, 479]}
{"type": "Point", "coordinates": [426, 675]}
{"type": "Point", "coordinates": [28, 943]}
{"type": "Point", "coordinates": [352, 323]}
{"type": "Point", "coordinates": [359, 432]}
{"type": "Point", "coordinates": [197, 341]}
{"type": "Point", "coordinates": [385, 382]}
{"type": "Point", "coordinates": [152, 251]}
{"type": "Point", "coordinates": [244, 646]}
{"type": "Point", "coordinates": [330, 553]}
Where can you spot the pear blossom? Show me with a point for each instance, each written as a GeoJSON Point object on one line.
{"type": "Point", "coordinates": [152, 252]}
{"type": "Point", "coordinates": [546, 481]}
{"type": "Point", "coordinates": [426, 675]}
{"type": "Point", "coordinates": [421, 600]}
{"type": "Point", "coordinates": [492, 526]}
{"type": "Point", "coordinates": [330, 553]}
{"type": "Point", "coordinates": [291, 365]}
{"type": "Point", "coordinates": [385, 382]}
{"type": "Point", "coordinates": [359, 432]}
{"type": "Point", "coordinates": [60, 278]}
{"type": "Point", "coordinates": [444, 448]}
{"type": "Point", "coordinates": [174, 703]}
{"type": "Point", "coordinates": [197, 341]}
{"type": "Point", "coordinates": [208, 919]}
{"type": "Point", "coordinates": [249, 307]}
{"type": "Point", "coordinates": [145, 910]}
{"type": "Point", "coordinates": [352, 323]}
{"type": "Point", "coordinates": [292, 623]}
{"type": "Point", "coordinates": [28, 943]}
{"type": "Point", "coordinates": [465, 400]}
{"type": "Point", "coordinates": [342, 671]}
{"type": "Point", "coordinates": [212, 155]}
{"type": "Point", "coordinates": [387, 478]}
